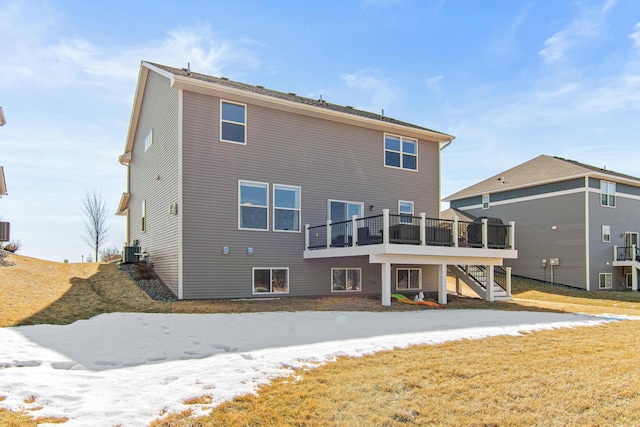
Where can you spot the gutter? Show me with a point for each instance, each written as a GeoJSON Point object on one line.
{"type": "Point", "coordinates": [447, 143]}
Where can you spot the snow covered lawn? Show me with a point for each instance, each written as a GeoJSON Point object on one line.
{"type": "Point", "coordinates": [125, 368]}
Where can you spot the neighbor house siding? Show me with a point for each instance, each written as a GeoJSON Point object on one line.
{"type": "Point", "coordinates": [625, 217]}
{"type": "Point", "coordinates": [537, 240]}
{"type": "Point", "coordinates": [328, 160]}
{"type": "Point", "coordinates": [154, 178]}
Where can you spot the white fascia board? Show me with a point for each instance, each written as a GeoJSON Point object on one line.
{"type": "Point", "coordinates": [517, 187]}
{"type": "Point", "coordinates": [189, 83]}
{"type": "Point", "coordinates": [427, 254]}
{"type": "Point", "coordinates": [135, 112]}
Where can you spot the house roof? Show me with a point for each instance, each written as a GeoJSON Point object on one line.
{"type": "Point", "coordinates": [542, 169]}
{"type": "Point", "coordinates": [261, 90]}
{"type": "Point", "coordinates": [451, 213]}
{"type": "Point", "coordinates": [3, 183]}
{"type": "Point", "coordinates": [182, 78]}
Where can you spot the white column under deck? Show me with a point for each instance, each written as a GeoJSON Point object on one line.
{"type": "Point", "coordinates": [458, 286]}
{"type": "Point", "coordinates": [489, 282]}
{"type": "Point", "coordinates": [386, 283]}
{"type": "Point", "coordinates": [634, 278]}
{"type": "Point", "coordinates": [442, 284]}
{"type": "Point", "coordinates": [508, 278]}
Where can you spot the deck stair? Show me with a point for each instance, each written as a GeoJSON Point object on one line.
{"type": "Point", "coordinates": [474, 276]}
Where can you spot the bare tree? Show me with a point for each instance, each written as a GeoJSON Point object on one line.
{"type": "Point", "coordinates": [95, 212]}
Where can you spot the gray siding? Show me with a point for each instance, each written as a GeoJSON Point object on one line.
{"type": "Point", "coordinates": [536, 240]}
{"type": "Point", "coordinates": [327, 160]}
{"type": "Point", "coordinates": [154, 177]}
{"type": "Point", "coordinates": [625, 217]}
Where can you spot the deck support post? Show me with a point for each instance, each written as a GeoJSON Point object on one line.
{"type": "Point", "coordinates": [354, 230]}
{"type": "Point", "coordinates": [442, 284]}
{"type": "Point", "coordinates": [423, 228]}
{"type": "Point", "coordinates": [634, 278]}
{"type": "Point", "coordinates": [385, 268]}
{"type": "Point", "coordinates": [328, 234]}
{"type": "Point", "coordinates": [306, 237]}
{"type": "Point", "coordinates": [489, 282]}
{"type": "Point", "coordinates": [512, 235]}
{"type": "Point", "coordinates": [385, 226]}
{"type": "Point", "coordinates": [508, 280]}
{"type": "Point", "coordinates": [458, 286]}
{"type": "Point", "coordinates": [454, 232]}
{"type": "Point", "coordinates": [485, 233]}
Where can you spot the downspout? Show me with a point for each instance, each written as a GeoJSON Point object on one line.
{"type": "Point", "coordinates": [586, 234]}
{"type": "Point", "coordinates": [447, 143]}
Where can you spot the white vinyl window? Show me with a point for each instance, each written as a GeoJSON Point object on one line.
{"type": "Point", "coordinates": [604, 281]}
{"type": "Point", "coordinates": [608, 194]}
{"type": "Point", "coordinates": [233, 122]}
{"type": "Point", "coordinates": [606, 233]}
{"type": "Point", "coordinates": [486, 201]}
{"type": "Point", "coordinates": [286, 208]}
{"type": "Point", "coordinates": [143, 215]}
{"type": "Point", "coordinates": [148, 140]}
{"type": "Point", "coordinates": [253, 205]}
{"type": "Point", "coordinates": [346, 279]}
{"type": "Point", "coordinates": [400, 152]}
{"type": "Point", "coordinates": [405, 208]}
{"type": "Point", "coordinates": [270, 280]}
{"type": "Point", "coordinates": [409, 278]}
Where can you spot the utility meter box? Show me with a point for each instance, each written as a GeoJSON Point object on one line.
{"type": "Point", "coordinates": [554, 261]}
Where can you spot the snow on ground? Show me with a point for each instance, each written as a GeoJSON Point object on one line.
{"type": "Point", "coordinates": [125, 368]}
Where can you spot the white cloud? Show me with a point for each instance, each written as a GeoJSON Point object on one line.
{"type": "Point", "coordinates": [635, 36]}
{"type": "Point", "coordinates": [375, 93]}
{"type": "Point", "coordinates": [579, 31]}
{"type": "Point", "coordinates": [433, 84]}
{"type": "Point", "coordinates": [608, 5]}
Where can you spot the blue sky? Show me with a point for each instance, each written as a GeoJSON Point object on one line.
{"type": "Point", "coordinates": [510, 79]}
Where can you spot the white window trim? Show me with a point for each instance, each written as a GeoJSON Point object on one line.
{"type": "Point", "coordinates": [606, 233]}
{"type": "Point", "coordinates": [148, 140]}
{"type": "Point", "coordinates": [384, 150]}
{"type": "Point", "coordinates": [342, 201]}
{"type": "Point", "coordinates": [400, 202]}
{"type": "Point", "coordinates": [143, 215]}
{"type": "Point", "coordinates": [488, 203]}
{"type": "Point", "coordinates": [605, 275]}
{"type": "Point", "coordinates": [631, 233]}
{"type": "Point", "coordinates": [299, 209]}
{"type": "Point", "coordinates": [243, 181]}
{"type": "Point", "coordinates": [609, 195]}
{"type": "Point", "coordinates": [408, 269]}
{"type": "Point", "coordinates": [253, 279]}
{"type": "Point", "coordinates": [346, 275]}
{"type": "Point", "coordinates": [224, 101]}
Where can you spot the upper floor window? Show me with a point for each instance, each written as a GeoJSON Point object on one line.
{"type": "Point", "coordinates": [608, 193]}
{"type": "Point", "coordinates": [253, 205]}
{"type": "Point", "coordinates": [606, 233]}
{"type": "Point", "coordinates": [400, 152]}
{"type": "Point", "coordinates": [286, 208]}
{"type": "Point", "coordinates": [485, 201]}
{"type": "Point", "coordinates": [405, 208]}
{"type": "Point", "coordinates": [233, 122]}
{"type": "Point", "coordinates": [148, 140]}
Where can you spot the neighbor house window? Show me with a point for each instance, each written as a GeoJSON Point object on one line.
{"type": "Point", "coordinates": [148, 140]}
{"type": "Point", "coordinates": [606, 233]}
{"type": "Point", "coordinates": [346, 279]}
{"type": "Point", "coordinates": [143, 215]}
{"type": "Point", "coordinates": [485, 201]}
{"type": "Point", "coordinates": [270, 280]}
{"type": "Point", "coordinates": [400, 152]}
{"type": "Point", "coordinates": [253, 205]}
{"type": "Point", "coordinates": [604, 281]}
{"type": "Point", "coordinates": [405, 209]}
{"type": "Point", "coordinates": [286, 208]}
{"type": "Point", "coordinates": [409, 278]}
{"type": "Point", "coordinates": [233, 122]}
{"type": "Point", "coordinates": [608, 193]}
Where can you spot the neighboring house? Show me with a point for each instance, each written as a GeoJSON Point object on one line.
{"type": "Point", "coordinates": [578, 225]}
{"type": "Point", "coordinates": [238, 191]}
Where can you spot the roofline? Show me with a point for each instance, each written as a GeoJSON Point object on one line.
{"type": "Point", "coordinates": [135, 112]}
{"type": "Point", "coordinates": [590, 174]}
{"type": "Point", "coordinates": [181, 81]}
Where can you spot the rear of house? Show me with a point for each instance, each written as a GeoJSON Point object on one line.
{"type": "Point", "coordinates": [224, 176]}
{"type": "Point", "coordinates": [571, 219]}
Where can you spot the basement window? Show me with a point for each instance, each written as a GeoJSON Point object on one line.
{"type": "Point", "coordinates": [346, 279]}
{"type": "Point", "coordinates": [409, 278]}
{"type": "Point", "coordinates": [604, 281]}
{"type": "Point", "coordinates": [270, 280]}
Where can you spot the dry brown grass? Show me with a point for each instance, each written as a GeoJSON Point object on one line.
{"type": "Point", "coordinates": [583, 376]}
